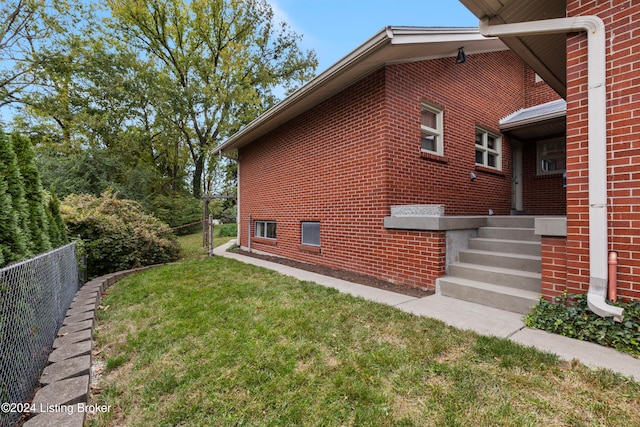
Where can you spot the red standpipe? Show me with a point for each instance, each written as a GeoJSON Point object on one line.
{"type": "Point", "coordinates": [613, 274]}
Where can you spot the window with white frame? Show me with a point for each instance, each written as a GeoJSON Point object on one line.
{"type": "Point", "coordinates": [431, 127]}
{"type": "Point", "coordinates": [551, 156]}
{"type": "Point", "coordinates": [311, 233]}
{"type": "Point", "coordinates": [488, 149]}
{"type": "Point", "coordinates": [265, 229]}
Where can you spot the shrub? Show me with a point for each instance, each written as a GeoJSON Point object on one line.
{"type": "Point", "coordinates": [118, 234]}
{"type": "Point", "coordinates": [226, 230]}
{"type": "Point", "coordinates": [569, 315]}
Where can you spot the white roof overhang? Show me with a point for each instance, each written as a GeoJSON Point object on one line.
{"type": "Point", "coordinates": [391, 45]}
{"type": "Point", "coordinates": [546, 54]}
{"type": "Point", "coordinates": [537, 122]}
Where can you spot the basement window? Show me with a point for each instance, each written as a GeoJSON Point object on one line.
{"type": "Point", "coordinates": [311, 233]}
{"type": "Point", "coordinates": [488, 149]}
{"type": "Point", "coordinates": [265, 229]}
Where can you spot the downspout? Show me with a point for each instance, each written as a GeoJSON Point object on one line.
{"type": "Point", "coordinates": [597, 144]}
{"type": "Point", "coordinates": [238, 222]}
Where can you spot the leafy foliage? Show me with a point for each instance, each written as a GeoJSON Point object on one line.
{"type": "Point", "coordinates": [119, 234]}
{"type": "Point", "coordinates": [178, 210]}
{"type": "Point", "coordinates": [226, 230]}
{"type": "Point", "coordinates": [569, 315]}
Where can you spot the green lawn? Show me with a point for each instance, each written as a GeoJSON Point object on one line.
{"type": "Point", "coordinates": [214, 342]}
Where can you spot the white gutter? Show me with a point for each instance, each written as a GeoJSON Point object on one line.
{"type": "Point", "coordinates": [597, 144]}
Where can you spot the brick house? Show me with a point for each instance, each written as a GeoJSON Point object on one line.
{"type": "Point", "coordinates": [372, 166]}
{"type": "Point", "coordinates": [407, 161]}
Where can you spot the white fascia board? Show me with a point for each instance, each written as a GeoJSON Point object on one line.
{"type": "Point", "coordinates": [368, 57]}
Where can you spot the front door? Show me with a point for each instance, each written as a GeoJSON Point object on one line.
{"type": "Point", "coordinates": [516, 178]}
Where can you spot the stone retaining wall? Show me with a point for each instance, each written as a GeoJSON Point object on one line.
{"type": "Point", "coordinates": [62, 400]}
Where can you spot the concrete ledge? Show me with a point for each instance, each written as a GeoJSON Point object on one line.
{"type": "Point", "coordinates": [434, 223]}
{"type": "Point", "coordinates": [551, 226]}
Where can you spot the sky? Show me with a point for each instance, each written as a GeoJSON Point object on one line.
{"type": "Point", "coordinates": [333, 28]}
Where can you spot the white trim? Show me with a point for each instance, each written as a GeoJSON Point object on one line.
{"type": "Point", "coordinates": [437, 132]}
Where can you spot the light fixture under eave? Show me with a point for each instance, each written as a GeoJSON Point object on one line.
{"type": "Point", "coordinates": [461, 58]}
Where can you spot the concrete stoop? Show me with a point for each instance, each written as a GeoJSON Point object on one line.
{"type": "Point", "coordinates": [62, 400]}
{"type": "Point", "coordinates": [500, 268]}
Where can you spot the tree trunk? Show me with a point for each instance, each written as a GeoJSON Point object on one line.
{"type": "Point", "coordinates": [197, 177]}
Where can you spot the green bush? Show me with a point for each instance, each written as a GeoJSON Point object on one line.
{"type": "Point", "coordinates": [118, 234]}
{"type": "Point", "coordinates": [226, 230]}
{"type": "Point", "coordinates": [569, 315]}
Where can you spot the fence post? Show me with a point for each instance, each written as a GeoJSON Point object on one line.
{"type": "Point", "coordinates": [210, 235]}
{"type": "Point", "coordinates": [82, 277]}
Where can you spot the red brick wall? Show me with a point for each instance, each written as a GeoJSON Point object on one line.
{"type": "Point", "coordinates": [623, 157]}
{"type": "Point", "coordinates": [544, 194]}
{"type": "Point", "coordinates": [536, 92]}
{"type": "Point", "coordinates": [479, 92]}
{"type": "Point", "coordinates": [346, 161]}
{"type": "Point", "coordinates": [327, 165]}
{"type": "Point", "coordinates": [554, 266]}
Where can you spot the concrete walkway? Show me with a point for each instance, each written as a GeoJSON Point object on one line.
{"type": "Point", "coordinates": [465, 315]}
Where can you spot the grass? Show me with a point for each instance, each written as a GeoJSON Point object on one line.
{"type": "Point", "coordinates": [191, 244]}
{"type": "Point", "coordinates": [215, 342]}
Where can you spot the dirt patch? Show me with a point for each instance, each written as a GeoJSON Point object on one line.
{"type": "Point", "coordinates": [349, 276]}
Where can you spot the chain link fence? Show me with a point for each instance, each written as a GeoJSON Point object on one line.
{"type": "Point", "coordinates": [34, 297]}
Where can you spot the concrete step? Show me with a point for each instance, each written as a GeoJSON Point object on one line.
{"type": "Point", "coordinates": [518, 221]}
{"type": "Point", "coordinates": [512, 261]}
{"type": "Point", "coordinates": [506, 277]}
{"type": "Point", "coordinates": [508, 233]}
{"type": "Point", "coordinates": [504, 298]}
{"type": "Point", "coordinates": [524, 247]}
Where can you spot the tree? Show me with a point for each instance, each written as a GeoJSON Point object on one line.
{"type": "Point", "coordinates": [34, 196]}
{"type": "Point", "coordinates": [216, 64]}
{"type": "Point", "coordinates": [57, 229]}
{"type": "Point", "coordinates": [26, 26]}
{"type": "Point", "coordinates": [14, 217]}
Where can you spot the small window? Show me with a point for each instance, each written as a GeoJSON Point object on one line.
{"type": "Point", "coordinates": [431, 129]}
{"type": "Point", "coordinates": [265, 229]}
{"type": "Point", "coordinates": [311, 233]}
{"type": "Point", "coordinates": [488, 149]}
{"type": "Point", "coordinates": [551, 156]}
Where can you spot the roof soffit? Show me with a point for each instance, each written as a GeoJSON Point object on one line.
{"type": "Point", "coordinates": [546, 54]}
